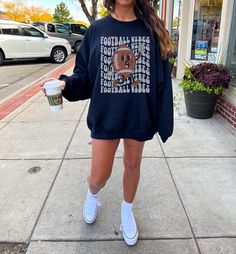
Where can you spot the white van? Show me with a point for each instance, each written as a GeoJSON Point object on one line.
{"type": "Point", "coordinates": [19, 40]}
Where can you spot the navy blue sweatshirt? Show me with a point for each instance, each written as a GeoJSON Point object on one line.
{"type": "Point", "coordinates": [119, 66]}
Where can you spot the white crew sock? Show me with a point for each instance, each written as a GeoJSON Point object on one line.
{"type": "Point", "coordinates": [126, 206]}
{"type": "Point", "coordinates": [91, 194]}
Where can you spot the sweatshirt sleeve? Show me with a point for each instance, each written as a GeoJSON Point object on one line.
{"type": "Point", "coordinates": [165, 117]}
{"type": "Point", "coordinates": [77, 85]}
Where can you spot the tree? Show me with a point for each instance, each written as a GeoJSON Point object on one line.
{"type": "Point", "coordinates": [92, 14]}
{"type": "Point", "coordinates": [176, 21]}
{"type": "Point", "coordinates": [62, 13]}
{"type": "Point", "coordinates": [102, 11]}
{"type": "Point", "coordinates": [16, 10]}
{"type": "Point", "coordinates": [156, 4]}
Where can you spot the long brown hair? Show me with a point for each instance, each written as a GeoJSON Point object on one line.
{"type": "Point", "coordinates": [146, 12]}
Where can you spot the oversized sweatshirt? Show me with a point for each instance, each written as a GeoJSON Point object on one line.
{"type": "Point", "coordinates": [120, 68]}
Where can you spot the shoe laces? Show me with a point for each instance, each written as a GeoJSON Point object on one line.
{"type": "Point", "coordinates": [92, 203]}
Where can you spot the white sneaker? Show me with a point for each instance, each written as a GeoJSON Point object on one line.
{"type": "Point", "coordinates": [128, 226]}
{"type": "Point", "coordinates": [90, 208]}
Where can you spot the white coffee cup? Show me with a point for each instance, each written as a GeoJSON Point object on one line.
{"type": "Point", "coordinates": [54, 95]}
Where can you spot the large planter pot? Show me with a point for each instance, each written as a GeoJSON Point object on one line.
{"type": "Point", "coordinates": [200, 105]}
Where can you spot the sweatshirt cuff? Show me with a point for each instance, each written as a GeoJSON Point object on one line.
{"type": "Point", "coordinates": [63, 77]}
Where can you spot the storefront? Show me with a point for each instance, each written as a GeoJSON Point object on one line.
{"type": "Point", "coordinates": [206, 27]}
{"type": "Point", "coordinates": [197, 27]}
{"type": "Point", "coordinates": [205, 30]}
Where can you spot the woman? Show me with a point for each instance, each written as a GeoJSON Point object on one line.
{"type": "Point", "coordinates": [122, 66]}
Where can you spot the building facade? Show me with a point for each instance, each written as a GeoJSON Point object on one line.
{"type": "Point", "coordinates": [205, 30]}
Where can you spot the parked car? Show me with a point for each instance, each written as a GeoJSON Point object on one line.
{"type": "Point", "coordinates": [76, 28]}
{"type": "Point", "coordinates": [59, 30]}
{"type": "Point", "coordinates": [20, 40]}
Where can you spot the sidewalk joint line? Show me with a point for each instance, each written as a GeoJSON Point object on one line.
{"type": "Point", "coordinates": [215, 237]}
{"type": "Point", "coordinates": [4, 242]}
{"type": "Point", "coordinates": [181, 201]}
{"type": "Point", "coordinates": [54, 180]}
{"type": "Point", "coordinates": [118, 157]}
{"type": "Point", "coordinates": [33, 159]}
{"type": "Point", "coordinates": [112, 239]}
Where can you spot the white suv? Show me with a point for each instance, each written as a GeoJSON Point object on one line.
{"type": "Point", "coordinates": [19, 40]}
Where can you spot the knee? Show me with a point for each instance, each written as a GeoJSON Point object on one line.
{"type": "Point", "coordinates": [132, 165]}
{"type": "Point", "coordinates": [96, 182]}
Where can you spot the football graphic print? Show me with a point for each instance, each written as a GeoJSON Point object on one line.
{"type": "Point", "coordinates": [125, 64]}
{"type": "Point", "coordinates": [124, 61]}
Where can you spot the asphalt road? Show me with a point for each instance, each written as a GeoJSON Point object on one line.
{"type": "Point", "coordinates": [16, 75]}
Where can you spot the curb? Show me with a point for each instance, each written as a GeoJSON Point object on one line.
{"type": "Point", "coordinates": [20, 98]}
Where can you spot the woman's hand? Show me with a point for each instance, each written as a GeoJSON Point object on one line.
{"type": "Point", "coordinates": [62, 84]}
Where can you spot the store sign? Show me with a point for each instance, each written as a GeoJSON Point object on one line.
{"type": "Point", "coordinates": [201, 50]}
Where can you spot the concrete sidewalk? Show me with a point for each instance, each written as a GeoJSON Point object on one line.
{"type": "Point", "coordinates": [186, 201]}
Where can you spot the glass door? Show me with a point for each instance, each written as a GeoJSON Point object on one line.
{"type": "Point", "coordinates": [206, 28]}
{"type": "Point", "coordinates": [231, 54]}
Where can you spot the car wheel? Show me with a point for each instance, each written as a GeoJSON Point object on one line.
{"type": "Point", "coordinates": [58, 55]}
{"type": "Point", "coordinates": [76, 47]}
{"type": "Point", "coordinates": [1, 58]}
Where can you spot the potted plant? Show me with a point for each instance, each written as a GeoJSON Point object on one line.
{"type": "Point", "coordinates": [203, 84]}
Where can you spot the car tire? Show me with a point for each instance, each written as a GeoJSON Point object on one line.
{"type": "Point", "coordinates": [76, 47]}
{"type": "Point", "coordinates": [1, 58]}
{"type": "Point", "coordinates": [58, 55]}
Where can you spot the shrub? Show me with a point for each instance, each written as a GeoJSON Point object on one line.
{"type": "Point", "coordinates": [208, 77]}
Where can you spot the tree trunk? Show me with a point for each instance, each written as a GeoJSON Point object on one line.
{"type": "Point", "coordinates": [93, 16]}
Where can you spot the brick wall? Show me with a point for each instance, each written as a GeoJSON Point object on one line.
{"type": "Point", "coordinates": [227, 110]}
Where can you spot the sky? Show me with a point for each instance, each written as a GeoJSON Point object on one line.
{"type": "Point", "coordinates": [73, 5]}
{"type": "Point", "coordinates": [176, 8]}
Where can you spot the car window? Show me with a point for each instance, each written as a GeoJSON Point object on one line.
{"type": "Point", "coordinates": [40, 26]}
{"type": "Point", "coordinates": [11, 30]}
{"type": "Point", "coordinates": [51, 28]}
{"type": "Point", "coordinates": [78, 28]}
{"type": "Point", "coordinates": [63, 30]}
{"type": "Point", "coordinates": [30, 31]}
{"type": "Point", "coordinates": [66, 25]}
{"type": "Point", "coordinates": [75, 26]}
{"type": "Point", "coordinates": [83, 27]}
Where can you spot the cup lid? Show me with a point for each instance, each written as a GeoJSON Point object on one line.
{"type": "Point", "coordinates": [51, 84]}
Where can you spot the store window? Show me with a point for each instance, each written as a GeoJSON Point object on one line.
{"type": "Point", "coordinates": [206, 27]}
{"type": "Point", "coordinates": [175, 21]}
{"type": "Point", "coordinates": [231, 52]}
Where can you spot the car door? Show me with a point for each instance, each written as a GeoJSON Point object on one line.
{"type": "Point", "coordinates": [12, 42]}
{"type": "Point", "coordinates": [82, 29]}
{"type": "Point", "coordinates": [51, 30]}
{"type": "Point", "coordinates": [63, 32]}
{"type": "Point", "coordinates": [35, 42]}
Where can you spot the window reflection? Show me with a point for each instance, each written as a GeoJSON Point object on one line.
{"type": "Point", "coordinates": [206, 26]}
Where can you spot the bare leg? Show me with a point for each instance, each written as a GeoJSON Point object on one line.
{"type": "Point", "coordinates": [103, 152]}
{"type": "Point", "coordinates": [132, 159]}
